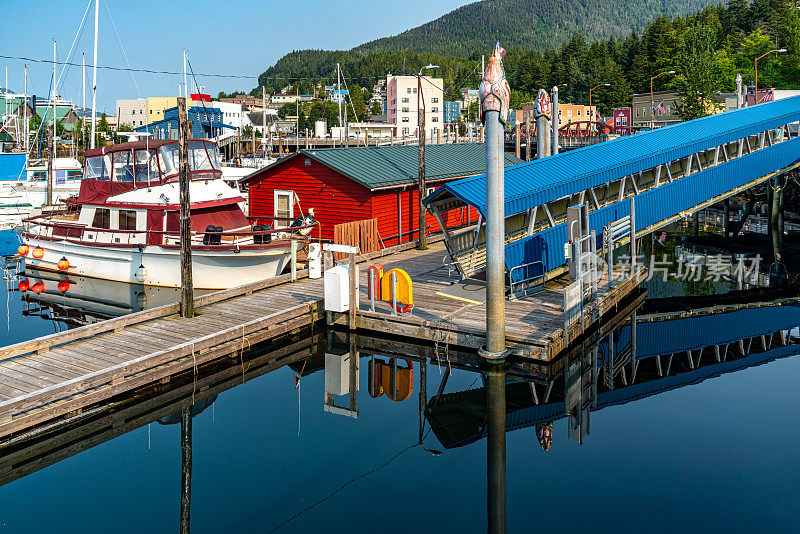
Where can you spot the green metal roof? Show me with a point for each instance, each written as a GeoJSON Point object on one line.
{"type": "Point", "coordinates": [391, 166]}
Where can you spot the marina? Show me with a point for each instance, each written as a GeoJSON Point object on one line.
{"type": "Point", "coordinates": [423, 265]}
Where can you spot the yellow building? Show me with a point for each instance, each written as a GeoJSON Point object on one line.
{"type": "Point", "coordinates": [156, 106]}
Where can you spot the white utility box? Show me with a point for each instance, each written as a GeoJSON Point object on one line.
{"type": "Point", "coordinates": [314, 260]}
{"type": "Point", "coordinates": [337, 288]}
{"type": "Point", "coordinates": [337, 374]}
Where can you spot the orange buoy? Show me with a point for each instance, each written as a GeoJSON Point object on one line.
{"type": "Point", "coordinates": [63, 286]}
{"type": "Point", "coordinates": [24, 285]}
{"type": "Point", "coordinates": [23, 250]}
{"type": "Point", "coordinates": [63, 264]}
{"type": "Point", "coordinates": [37, 253]}
{"type": "Point", "coordinates": [37, 288]}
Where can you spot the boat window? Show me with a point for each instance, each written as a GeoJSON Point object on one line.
{"type": "Point", "coordinates": [198, 157]}
{"type": "Point", "coordinates": [97, 168]}
{"type": "Point", "coordinates": [74, 175]}
{"type": "Point", "coordinates": [168, 158]}
{"type": "Point", "coordinates": [123, 166]}
{"type": "Point", "coordinates": [127, 219]}
{"type": "Point", "coordinates": [146, 166]}
{"type": "Point", "coordinates": [40, 175]}
{"type": "Point", "coordinates": [102, 218]}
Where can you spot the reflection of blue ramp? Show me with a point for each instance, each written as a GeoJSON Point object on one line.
{"type": "Point", "coordinates": [680, 335]}
{"type": "Point", "coordinates": [12, 166]}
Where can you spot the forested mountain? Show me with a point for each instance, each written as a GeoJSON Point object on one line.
{"type": "Point", "coordinates": [706, 50]}
{"type": "Point", "coordinates": [529, 24]}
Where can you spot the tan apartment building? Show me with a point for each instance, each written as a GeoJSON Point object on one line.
{"type": "Point", "coordinates": [133, 111]}
{"type": "Point", "coordinates": [401, 105]}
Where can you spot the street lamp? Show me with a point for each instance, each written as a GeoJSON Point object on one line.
{"type": "Point", "coordinates": [423, 222]}
{"type": "Point", "coordinates": [652, 113]}
{"type": "Point", "coordinates": [594, 116]}
{"type": "Point", "coordinates": [776, 51]}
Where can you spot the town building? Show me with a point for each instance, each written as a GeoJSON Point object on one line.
{"type": "Point", "coordinates": [568, 113]}
{"type": "Point", "coordinates": [452, 112]}
{"type": "Point", "coordinates": [133, 112]}
{"type": "Point", "coordinates": [621, 121]}
{"type": "Point", "coordinates": [468, 96]}
{"type": "Point", "coordinates": [250, 102]}
{"type": "Point", "coordinates": [665, 109]}
{"type": "Point", "coordinates": [345, 185]}
{"type": "Point", "coordinates": [205, 121]}
{"type": "Point", "coordinates": [401, 108]}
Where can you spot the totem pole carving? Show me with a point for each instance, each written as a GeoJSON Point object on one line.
{"type": "Point", "coordinates": [494, 92]}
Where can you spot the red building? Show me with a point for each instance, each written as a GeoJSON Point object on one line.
{"type": "Point", "coordinates": [353, 184]}
{"type": "Point", "coordinates": [622, 121]}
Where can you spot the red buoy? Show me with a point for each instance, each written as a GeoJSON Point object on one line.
{"type": "Point", "coordinates": [37, 253]}
{"type": "Point", "coordinates": [23, 250]}
{"type": "Point", "coordinates": [63, 286]}
{"type": "Point", "coordinates": [63, 264]}
{"type": "Point", "coordinates": [24, 285]}
{"type": "Point", "coordinates": [37, 288]}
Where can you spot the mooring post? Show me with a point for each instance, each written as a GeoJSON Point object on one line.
{"type": "Point", "coordinates": [495, 93]}
{"type": "Point", "coordinates": [554, 143]}
{"type": "Point", "coordinates": [422, 244]}
{"type": "Point", "coordinates": [496, 447]}
{"type": "Point", "coordinates": [543, 109]}
{"type": "Point", "coordinates": [186, 467]}
{"type": "Point", "coordinates": [518, 132]}
{"type": "Point", "coordinates": [187, 289]}
{"type": "Point", "coordinates": [353, 291]}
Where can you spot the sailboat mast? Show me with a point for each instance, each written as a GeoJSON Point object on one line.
{"type": "Point", "coordinates": [185, 79]}
{"type": "Point", "coordinates": [53, 98]}
{"type": "Point", "coordinates": [25, 114]}
{"type": "Point", "coordinates": [264, 119]}
{"type": "Point", "coordinates": [83, 101]}
{"type": "Point", "coordinates": [94, 73]}
{"type": "Point", "coordinates": [339, 99]}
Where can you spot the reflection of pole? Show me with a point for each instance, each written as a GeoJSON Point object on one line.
{"type": "Point", "coordinates": [495, 237]}
{"type": "Point", "coordinates": [775, 219]}
{"type": "Point", "coordinates": [186, 467]}
{"type": "Point", "coordinates": [496, 447]}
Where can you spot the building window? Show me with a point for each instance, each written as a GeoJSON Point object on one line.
{"type": "Point", "coordinates": [405, 131]}
{"type": "Point", "coordinates": [102, 218]}
{"type": "Point", "coordinates": [405, 119]}
{"type": "Point", "coordinates": [308, 162]}
{"type": "Point", "coordinates": [415, 90]}
{"type": "Point", "coordinates": [284, 207]}
{"type": "Point", "coordinates": [435, 100]}
{"type": "Point", "coordinates": [569, 113]}
{"type": "Point", "coordinates": [405, 100]}
{"type": "Point", "coordinates": [409, 90]}
{"type": "Point", "coordinates": [434, 119]}
{"type": "Point", "coordinates": [404, 110]}
{"type": "Point", "coordinates": [127, 219]}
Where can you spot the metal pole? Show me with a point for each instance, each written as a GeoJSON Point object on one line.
{"type": "Point", "coordinates": [83, 101]}
{"type": "Point", "coordinates": [739, 91]}
{"type": "Point", "coordinates": [495, 236]}
{"type": "Point", "coordinates": [187, 302]}
{"type": "Point", "coordinates": [423, 237]}
{"type": "Point", "coordinates": [554, 99]}
{"type": "Point", "coordinates": [633, 235]}
{"type": "Point", "coordinates": [496, 448]}
{"type": "Point", "coordinates": [186, 468]}
{"type": "Point", "coordinates": [25, 116]}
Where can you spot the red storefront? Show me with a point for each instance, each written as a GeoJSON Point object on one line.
{"type": "Point", "coordinates": [345, 185]}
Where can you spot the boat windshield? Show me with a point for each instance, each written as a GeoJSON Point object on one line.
{"type": "Point", "coordinates": [202, 157]}
{"type": "Point", "coordinates": [98, 168]}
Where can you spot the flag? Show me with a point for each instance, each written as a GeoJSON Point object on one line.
{"type": "Point", "coordinates": [661, 109]}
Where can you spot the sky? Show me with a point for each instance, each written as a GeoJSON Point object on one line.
{"type": "Point", "coordinates": [234, 37]}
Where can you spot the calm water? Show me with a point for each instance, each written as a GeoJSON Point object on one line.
{"type": "Point", "coordinates": [709, 448]}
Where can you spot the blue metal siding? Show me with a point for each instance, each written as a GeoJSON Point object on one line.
{"type": "Point", "coordinates": [541, 181]}
{"type": "Point", "coordinates": [661, 203]}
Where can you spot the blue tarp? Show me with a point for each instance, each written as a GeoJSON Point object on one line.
{"type": "Point", "coordinates": [12, 166]}
{"type": "Point", "coordinates": [541, 181]}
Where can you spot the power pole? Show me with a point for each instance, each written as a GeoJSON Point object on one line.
{"type": "Point", "coordinates": [187, 289]}
{"type": "Point", "coordinates": [422, 244]}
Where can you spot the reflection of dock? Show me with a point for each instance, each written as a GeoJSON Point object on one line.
{"type": "Point", "coordinates": [37, 450]}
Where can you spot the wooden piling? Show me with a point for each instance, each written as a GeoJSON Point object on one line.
{"type": "Point", "coordinates": [187, 289]}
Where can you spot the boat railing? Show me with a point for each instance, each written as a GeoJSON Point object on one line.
{"type": "Point", "coordinates": [68, 230]}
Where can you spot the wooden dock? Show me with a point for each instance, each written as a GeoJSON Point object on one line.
{"type": "Point", "coordinates": [534, 325]}
{"type": "Point", "coordinates": [64, 373]}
